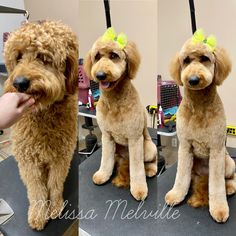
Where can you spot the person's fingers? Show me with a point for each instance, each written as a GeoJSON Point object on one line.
{"type": "Point", "coordinates": [25, 105]}
{"type": "Point", "coordinates": [23, 97]}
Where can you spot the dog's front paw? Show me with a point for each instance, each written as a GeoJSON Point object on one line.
{"type": "Point", "coordinates": [37, 217]}
{"type": "Point", "coordinates": [174, 197]}
{"type": "Point", "coordinates": [219, 211]}
{"type": "Point", "coordinates": [139, 191]}
{"type": "Point", "coordinates": [56, 208]}
{"type": "Point", "coordinates": [100, 177]}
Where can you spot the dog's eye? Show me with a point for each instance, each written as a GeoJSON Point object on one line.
{"type": "Point", "coordinates": [114, 56]}
{"type": "Point", "coordinates": [19, 57]}
{"type": "Point", "coordinates": [40, 57]}
{"type": "Point", "coordinates": [186, 61]}
{"type": "Point", "coordinates": [204, 59]}
{"type": "Point", "coordinates": [97, 57]}
{"type": "Point", "coordinates": [43, 58]}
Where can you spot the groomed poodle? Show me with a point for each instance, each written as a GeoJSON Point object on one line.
{"type": "Point", "coordinates": [41, 59]}
{"type": "Point", "coordinates": [200, 67]}
{"type": "Point", "coordinates": [113, 63]}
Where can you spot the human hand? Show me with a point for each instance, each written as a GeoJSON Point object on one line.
{"type": "Point", "coordinates": [12, 107]}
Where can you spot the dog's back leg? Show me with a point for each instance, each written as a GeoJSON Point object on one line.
{"type": "Point", "coordinates": [230, 175]}
{"type": "Point", "coordinates": [150, 154]}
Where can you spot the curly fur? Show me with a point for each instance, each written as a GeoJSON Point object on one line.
{"type": "Point", "coordinates": [45, 137]}
{"type": "Point", "coordinates": [121, 117]}
{"type": "Point", "coordinates": [201, 129]}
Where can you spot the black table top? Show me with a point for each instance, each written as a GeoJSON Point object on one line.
{"type": "Point", "coordinates": [99, 217]}
{"type": "Point", "coordinates": [13, 192]}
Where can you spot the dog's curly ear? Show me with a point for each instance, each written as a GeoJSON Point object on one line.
{"type": "Point", "coordinates": [222, 65]}
{"type": "Point", "coordinates": [175, 70]}
{"type": "Point", "coordinates": [87, 65]}
{"type": "Point", "coordinates": [133, 59]}
{"type": "Point", "coordinates": [71, 72]}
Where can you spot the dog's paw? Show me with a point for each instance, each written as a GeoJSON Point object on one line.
{"type": "Point", "coordinates": [37, 217]}
{"type": "Point", "coordinates": [230, 185]}
{"type": "Point", "coordinates": [139, 191]}
{"type": "Point", "coordinates": [174, 197]}
{"type": "Point", "coordinates": [219, 211]}
{"type": "Point", "coordinates": [56, 208]}
{"type": "Point", "coordinates": [100, 177]}
{"type": "Point", "coordinates": [150, 169]}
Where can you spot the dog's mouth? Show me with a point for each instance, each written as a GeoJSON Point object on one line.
{"type": "Point", "coordinates": [107, 85]}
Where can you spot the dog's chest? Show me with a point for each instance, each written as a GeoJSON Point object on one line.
{"type": "Point", "coordinates": [120, 123]}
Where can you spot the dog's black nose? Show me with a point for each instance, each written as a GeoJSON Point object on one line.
{"type": "Point", "coordinates": [101, 75]}
{"type": "Point", "coordinates": [21, 84]}
{"type": "Point", "coordinates": [193, 80]}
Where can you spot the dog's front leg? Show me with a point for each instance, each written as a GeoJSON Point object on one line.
{"type": "Point", "coordinates": [218, 205]}
{"type": "Point", "coordinates": [56, 177]}
{"type": "Point", "coordinates": [34, 179]}
{"type": "Point", "coordinates": [138, 184]}
{"type": "Point", "coordinates": [183, 175]}
{"type": "Point", "coordinates": [108, 159]}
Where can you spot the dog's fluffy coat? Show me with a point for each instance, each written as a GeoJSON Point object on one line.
{"type": "Point", "coordinates": [45, 137]}
{"type": "Point", "coordinates": [121, 117]}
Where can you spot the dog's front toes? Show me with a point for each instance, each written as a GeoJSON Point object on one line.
{"type": "Point", "coordinates": [37, 218]}
{"type": "Point", "coordinates": [150, 169]}
{"type": "Point", "coordinates": [100, 177]}
{"type": "Point", "coordinates": [174, 197]}
{"type": "Point", "coordinates": [139, 191]}
{"type": "Point", "coordinates": [56, 208]}
{"type": "Point", "coordinates": [220, 212]}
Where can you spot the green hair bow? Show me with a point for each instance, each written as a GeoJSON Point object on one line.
{"type": "Point", "coordinates": [199, 37]}
{"type": "Point", "coordinates": [110, 35]}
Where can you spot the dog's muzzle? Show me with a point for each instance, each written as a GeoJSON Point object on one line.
{"type": "Point", "coordinates": [193, 80]}
{"type": "Point", "coordinates": [21, 84]}
{"type": "Point", "coordinates": [100, 75]}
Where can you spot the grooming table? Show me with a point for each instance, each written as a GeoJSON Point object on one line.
{"type": "Point", "coordinates": [13, 192]}
{"type": "Point", "coordinates": [95, 202]}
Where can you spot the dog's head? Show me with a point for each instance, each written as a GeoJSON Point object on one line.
{"type": "Point", "coordinates": [198, 65]}
{"type": "Point", "coordinates": [42, 60]}
{"type": "Point", "coordinates": [108, 63]}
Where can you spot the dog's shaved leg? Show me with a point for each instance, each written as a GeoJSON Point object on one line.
{"type": "Point", "coordinates": [229, 166]}
{"type": "Point", "coordinates": [183, 175]}
{"type": "Point", "coordinates": [138, 185]}
{"type": "Point", "coordinates": [108, 160]}
{"type": "Point", "coordinates": [35, 182]}
{"type": "Point", "coordinates": [150, 154]}
{"type": "Point", "coordinates": [56, 178]}
{"type": "Point", "coordinates": [218, 205]}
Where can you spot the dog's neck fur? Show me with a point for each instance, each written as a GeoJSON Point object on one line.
{"type": "Point", "coordinates": [200, 100]}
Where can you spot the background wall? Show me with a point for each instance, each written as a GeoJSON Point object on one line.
{"type": "Point", "coordinates": [65, 10]}
{"type": "Point", "coordinates": [215, 17]}
{"type": "Point", "coordinates": [10, 22]}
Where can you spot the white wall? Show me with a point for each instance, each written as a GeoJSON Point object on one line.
{"type": "Point", "coordinates": [9, 22]}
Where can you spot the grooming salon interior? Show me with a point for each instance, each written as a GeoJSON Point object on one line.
{"type": "Point", "coordinates": [117, 117]}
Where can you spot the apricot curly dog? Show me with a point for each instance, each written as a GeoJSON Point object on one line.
{"type": "Point", "coordinates": [200, 67]}
{"type": "Point", "coordinates": [41, 59]}
{"type": "Point", "coordinates": [120, 114]}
